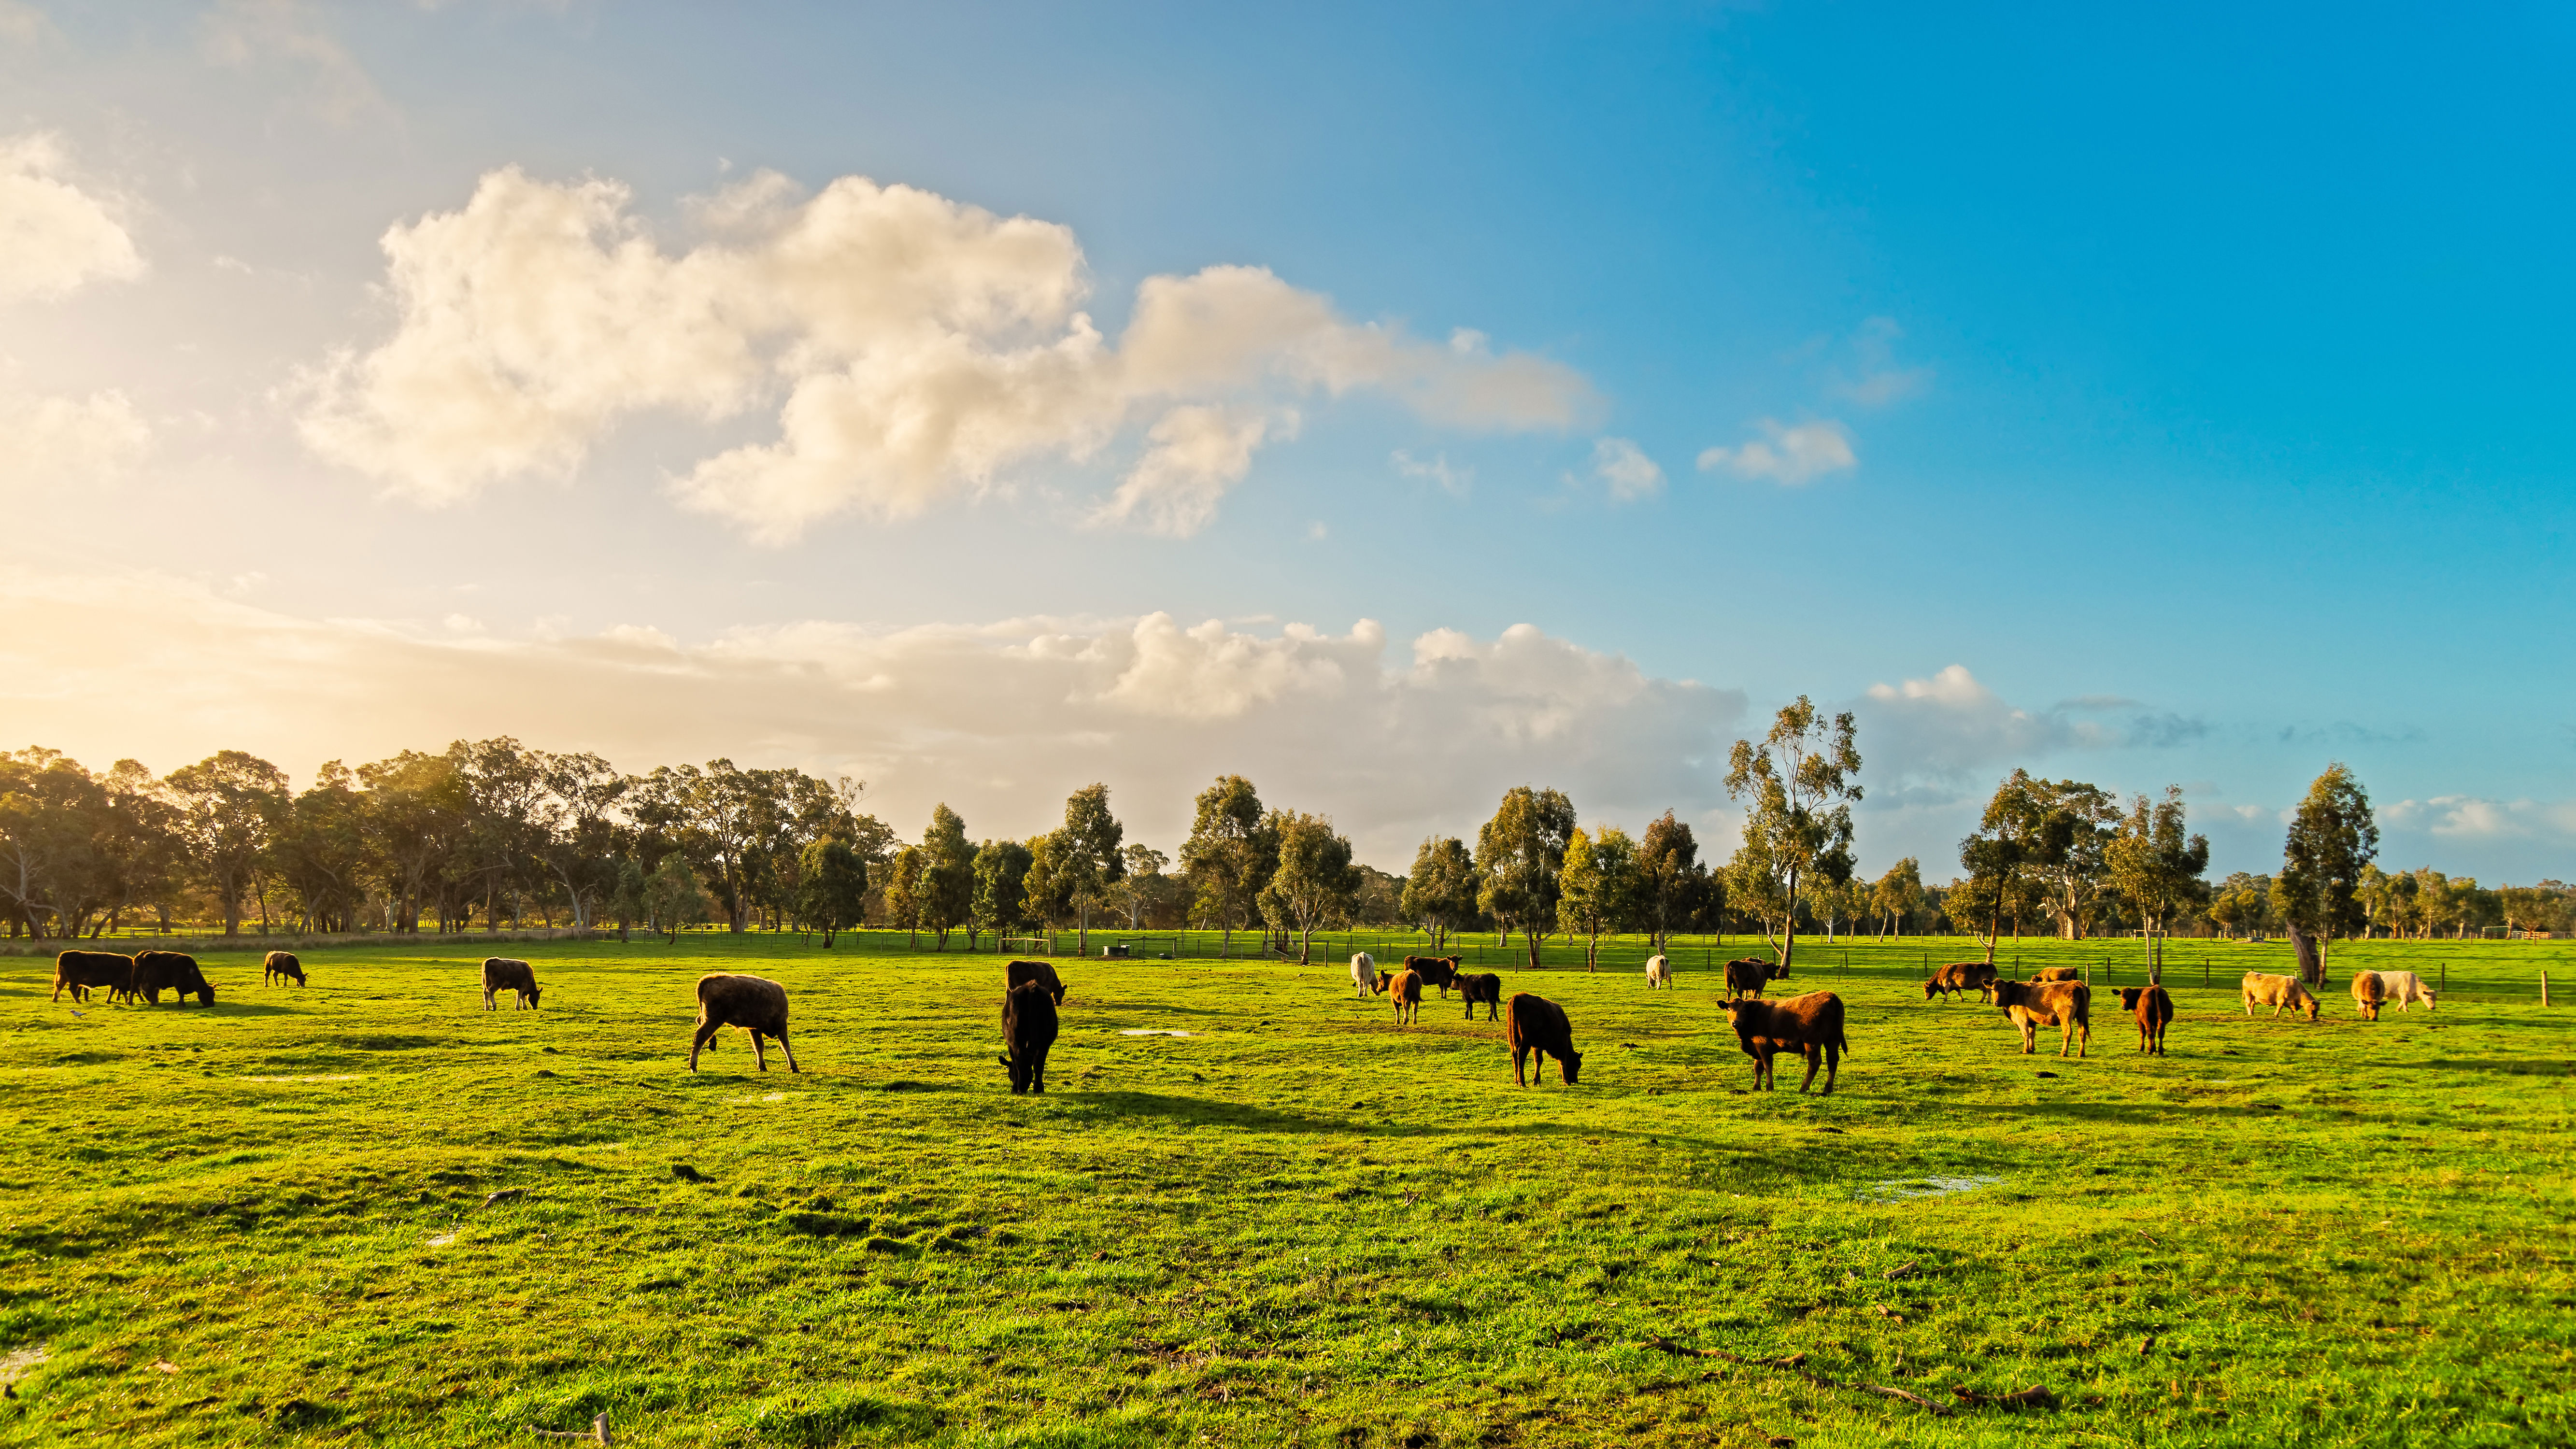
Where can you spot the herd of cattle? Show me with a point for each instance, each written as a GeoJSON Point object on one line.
{"type": "Point", "coordinates": [1809, 1025]}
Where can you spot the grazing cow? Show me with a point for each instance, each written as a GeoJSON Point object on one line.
{"type": "Point", "coordinates": [1961, 976]}
{"type": "Point", "coordinates": [1364, 975]}
{"type": "Point", "coordinates": [2154, 1010]}
{"type": "Point", "coordinates": [1021, 973]}
{"type": "Point", "coordinates": [2066, 1005]}
{"type": "Point", "coordinates": [2406, 988]}
{"type": "Point", "coordinates": [503, 973]}
{"type": "Point", "coordinates": [1810, 1025]}
{"type": "Point", "coordinates": [1747, 975]}
{"type": "Point", "coordinates": [1481, 986]}
{"type": "Point", "coordinates": [2262, 988]}
{"type": "Point", "coordinates": [1028, 1026]}
{"type": "Point", "coordinates": [79, 971]}
{"type": "Point", "coordinates": [1659, 972]}
{"type": "Point", "coordinates": [2058, 973]}
{"type": "Point", "coordinates": [1440, 971]}
{"type": "Point", "coordinates": [2369, 991]}
{"type": "Point", "coordinates": [1406, 987]}
{"type": "Point", "coordinates": [755, 1003]}
{"type": "Point", "coordinates": [1537, 1029]}
{"type": "Point", "coordinates": [279, 966]}
{"type": "Point", "coordinates": [175, 971]}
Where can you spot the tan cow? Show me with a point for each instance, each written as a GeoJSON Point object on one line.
{"type": "Point", "coordinates": [2058, 973]}
{"type": "Point", "coordinates": [2262, 988]}
{"type": "Point", "coordinates": [2369, 991]}
{"type": "Point", "coordinates": [2406, 988]}
{"type": "Point", "coordinates": [1659, 972]}
{"type": "Point", "coordinates": [2066, 1005]}
{"type": "Point", "coordinates": [1405, 987]}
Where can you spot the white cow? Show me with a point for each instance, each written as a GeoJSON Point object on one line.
{"type": "Point", "coordinates": [2406, 988]}
{"type": "Point", "coordinates": [1659, 972]}
{"type": "Point", "coordinates": [1364, 975]}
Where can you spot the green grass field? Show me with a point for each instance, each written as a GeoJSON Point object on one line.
{"type": "Point", "coordinates": [1288, 1223]}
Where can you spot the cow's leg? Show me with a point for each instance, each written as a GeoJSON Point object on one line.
{"type": "Point", "coordinates": [789, 1051]}
{"type": "Point", "coordinates": [1833, 1066]}
{"type": "Point", "coordinates": [706, 1033]}
{"type": "Point", "coordinates": [759, 1055]}
{"type": "Point", "coordinates": [1815, 1056]}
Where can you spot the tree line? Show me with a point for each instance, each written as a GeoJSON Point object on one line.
{"type": "Point", "coordinates": [490, 831]}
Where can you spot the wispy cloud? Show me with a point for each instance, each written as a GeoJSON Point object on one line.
{"type": "Point", "coordinates": [288, 37]}
{"type": "Point", "coordinates": [1785, 454]}
{"type": "Point", "coordinates": [1875, 379]}
{"type": "Point", "coordinates": [1454, 481]}
{"type": "Point", "coordinates": [1623, 467]}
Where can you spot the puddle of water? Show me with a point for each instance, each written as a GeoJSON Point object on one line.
{"type": "Point", "coordinates": [1914, 1189]}
{"type": "Point", "coordinates": [1149, 1031]}
{"type": "Point", "coordinates": [18, 1364]}
{"type": "Point", "coordinates": [340, 1077]}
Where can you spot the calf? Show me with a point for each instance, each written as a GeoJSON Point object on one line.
{"type": "Point", "coordinates": [1536, 1028]}
{"type": "Point", "coordinates": [2262, 988]}
{"type": "Point", "coordinates": [1810, 1025]}
{"type": "Point", "coordinates": [1961, 976]}
{"type": "Point", "coordinates": [279, 966]}
{"type": "Point", "coordinates": [79, 971]}
{"type": "Point", "coordinates": [1484, 987]}
{"type": "Point", "coordinates": [2058, 973]}
{"type": "Point", "coordinates": [502, 973]}
{"type": "Point", "coordinates": [1659, 972]}
{"type": "Point", "coordinates": [175, 971]}
{"type": "Point", "coordinates": [1029, 1028]}
{"type": "Point", "coordinates": [1021, 973]}
{"type": "Point", "coordinates": [1747, 975]}
{"type": "Point", "coordinates": [755, 1003]}
{"type": "Point", "coordinates": [2066, 1005]}
{"type": "Point", "coordinates": [2406, 988]}
{"type": "Point", "coordinates": [2154, 1011]}
{"type": "Point", "coordinates": [1406, 988]}
{"type": "Point", "coordinates": [1364, 975]}
{"type": "Point", "coordinates": [2369, 991]}
{"type": "Point", "coordinates": [1440, 971]}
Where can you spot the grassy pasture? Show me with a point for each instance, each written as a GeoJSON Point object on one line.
{"type": "Point", "coordinates": [267, 1223]}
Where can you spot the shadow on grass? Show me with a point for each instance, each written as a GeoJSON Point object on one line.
{"type": "Point", "coordinates": [2534, 1067]}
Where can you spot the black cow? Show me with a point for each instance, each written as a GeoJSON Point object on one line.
{"type": "Point", "coordinates": [1021, 973]}
{"type": "Point", "coordinates": [1537, 1029]}
{"type": "Point", "coordinates": [1485, 987]}
{"type": "Point", "coordinates": [1747, 975]}
{"type": "Point", "coordinates": [79, 971]}
{"type": "Point", "coordinates": [1440, 971]}
{"type": "Point", "coordinates": [279, 966]}
{"type": "Point", "coordinates": [1028, 1024]}
{"type": "Point", "coordinates": [173, 971]}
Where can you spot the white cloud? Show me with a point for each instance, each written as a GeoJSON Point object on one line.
{"type": "Point", "coordinates": [1454, 481]}
{"type": "Point", "coordinates": [1786, 454]}
{"type": "Point", "coordinates": [54, 237]}
{"type": "Point", "coordinates": [1877, 380]}
{"type": "Point", "coordinates": [22, 24]}
{"type": "Point", "coordinates": [287, 36]}
{"type": "Point", "coordinates": [1625, 469]}
{"type": "Point", "coordinates": [52, 444]}
{"type": "Point", "coordinates": [998, 719]}
{"type": "Point", "coordinates": [925, 349]}
{"type": "Point", "coordinates": [2468, 818]}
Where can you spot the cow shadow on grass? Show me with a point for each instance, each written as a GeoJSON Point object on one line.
{"type": "Point", "coordinates": [1214, 1112]}
{"type": "Point", "coordinates": [2534, 1067]}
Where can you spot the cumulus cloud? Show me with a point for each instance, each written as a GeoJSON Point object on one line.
{"type": "Point", "coordinates": [1625, 469]}
{"type": "Point", "coordinates": [1786, 454]}
{"type": "Point", "coordinates": [1952, 725]}
{"type": "Point", "coordinates": [999, 719]}
{"type": "Point", "coordinates": [2469, 818]}
{"type": "Point", "coordinates": [55, 238]}
{"type": "Point", "coordinates": [924, 348]}
{"type": "Point", "coordinates": [48, 444]}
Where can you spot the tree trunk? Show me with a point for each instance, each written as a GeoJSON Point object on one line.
{"type": "Point", "coordinates": [2312, 970]}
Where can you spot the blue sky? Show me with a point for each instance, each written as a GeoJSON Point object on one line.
{"type": "Point", "coordinates": [2184, 383]}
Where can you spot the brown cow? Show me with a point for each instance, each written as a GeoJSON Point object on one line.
{"type": "Point", "coordinates": [2058, 973]}
{"type": "Point", "coordinates": [1020, 973]}
{"type": "Point", "coordinates": [1536, 1028]}
{"type": "Point", "coordinates": [505, 973]}
{"type": "Point", "coordinates": [2369, 993]}
{"type": "Point", "coordinates": [2262, 988]}
{"type": "Point", "coordinates": [2066, 1005]}
{"type": "Point", "coordinates": [1961, 976]}
{"type": "Point", "coordinates": [79, 971]}
{"type": "Point", "coordinates": [279, 966]}
{"type": "Point", "coordinates": [1440, 971]}
{"type": "Point", "coordinates": [1485, 987]}
{"type": "Point", "coordinates": [1747, 975]}
{"type": "Point", "coordinates": [755, 1003]}
{"type": "Point", "coordinates": [2154, 1010]}
{"type": "Point", "coordinates": [1406, 988]}
{"type": "Point", "coordinates": [1810, 1025]}
{"type": "Point", "coordinates": [1029, 1027]}
{"type": "Point", "coordinates": [159, 971]}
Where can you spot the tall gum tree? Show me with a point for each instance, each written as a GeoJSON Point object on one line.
{"type": "Point", "coordinates": [1087, 859]}
{"type": "Point", "coordinates": [1672, 885]}
{"type": "Point", "coordinates": [2332, 836]}
{"type": "Point", "coordinates": [1440, 893]}
{"type": "Point", "coordinates": [1798, 786]}
{"type": "Point", "coordinates": [1223, 853]}
{"type": "Point", "coordinates": [2156, 866]}
{"type": "Point", "coordinates": [1315, 882]}
{"type": "Point", "coordinates": [1519, 856]}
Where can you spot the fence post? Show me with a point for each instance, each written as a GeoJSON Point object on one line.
{"type": "Point", "coordinates": [2544, 988]}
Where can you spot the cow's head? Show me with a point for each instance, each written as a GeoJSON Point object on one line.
{"type": "Point", "coordinates": [532, 993]}
{"type": "Point", "coordinates": [205, 991]}
{"type": "Point", "coordinates": [1571, 1066]}
{"type": "Point", "coordinates": [1931, 988]}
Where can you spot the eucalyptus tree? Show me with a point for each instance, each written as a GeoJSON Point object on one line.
{"type": "Point", "coordinates": [1142, 884]}
{"type": "Point", "coordinates": [322, 851]}
{"type": "Point", "coordinates": [1798, 786]}
{"type": "Point", "coordinates": [1001, 889]}
{"type": "Point", "coordinates": [1314, 883]}
{"type": "Point", "coordinates": [903, 891]}
{"type": "Point", "coordinates": [229, 805]}
{"type": "Point", "coordinates": [1230, 848]}
{"type": "Point", "coordinates": [674, 897]}
{"type": "Point", "coordinates": [580, 838]}
{"type": "Point", "coordinates": [1671, 883]}
{"type": "Point", "coordinates": [1598, 887]}
{"type": "Point", "coordinates": [832, 887]}
{"type": "Point", "coordinates": [2158, 869]}
{"type": "Point", "coordinates": [1897, 895]}
{"type": "Point", "coordinates": [1440, 891]}
{"type": "Point", "coordinates": [52, 812]}
{"type": "Point", "coordinates": [947, 888]}
{"type": "Point", "coordinates": [2331, 837]}
{"type": "Point", "coordinates": [1519, 855]}
{"type": "Point", "coordinates": [1087, 860]}
{"type": "Point", "coordinates": [414, 820]}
